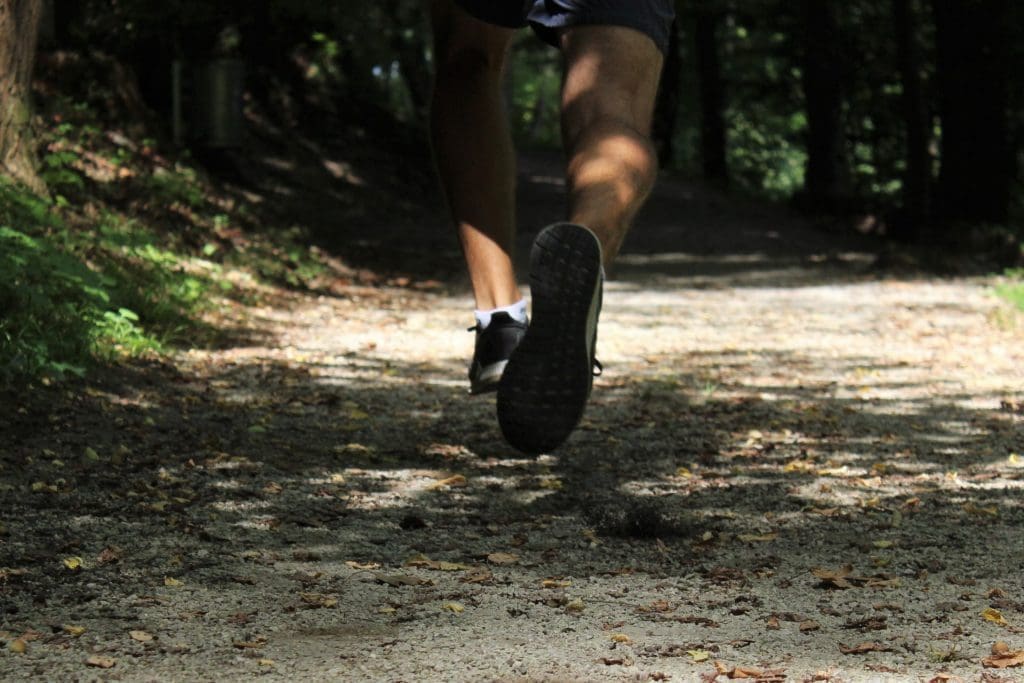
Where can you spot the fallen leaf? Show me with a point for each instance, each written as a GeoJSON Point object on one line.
{"type": "Point", "coordinates": [1002, 657]}
{"type": "Point", "coordinates": [318, 600]}
{"type": "Point", "coordinates": [616, 661]}
{"type": "Point", "coordinates": [101, 662]}
{"type": "Point", "coordinates": [699, 655]}
{"type": "Point", "coordinates": [809, 625]}
{"type": "Point", "coordinates": [73, 631]}
{"type": "Point", "coordinates": [551, 483]}
{"type": "Point", "coordinates": [843, 578]}
{"type": "Point", "coordinates": [995, 616]}
{"type": "Point", "coordinates": [109, 554]}
{"type": "Point", "coordinates": [478, 575]}
{"type": "Point", "coordinates": [173, 582]}
{"type": "Point", "coordinates": [883, 544]}
{"type": "Point", "coordinates": [556, 583]}
{"type": "Point", "coordinates": [73, 563]}
{"type": "Point", "coordinates": [756, 538]}
{"type": "Point", "coordinates": [454, 481]}
{"type": "Point", "coordinates": [656, 606]}
{"type": "Point", "coordinates": [739, 672]}
{"type": "Point", "coordinates": [988, 511]}
{"type": "Point", "coordinates": [620, 638]}
{"type": "Point", "coordinates": [453, 607]}
{"type": "Point", "coordinates": [265, 662]}
{"type": "Point", "coordinates": [397, 580]}
{"type": "Point", "coordinates": [141, 636]}
{"type": "Point", "coordinates": [863, 648]}
{"type": "Point", "coordinates": [362, 566]}
{"type": "Point", "coordinates": [575, 605]}
{"type": "Point", "coordinates": [773, 624]}
{"type": "Point", "coordinates": [502, 558]}
{"type": "Point", "coordinates": [18, 646]}
{"type": "Point", "coordinates": [834, 579]}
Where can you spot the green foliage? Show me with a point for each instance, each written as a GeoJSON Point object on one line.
{"type": "Point", "coordinates": [1013, 289]}
{"type": "Point", "coordinates": [534, 84]}
{"type": "Point", "coordinates": [57, 311]}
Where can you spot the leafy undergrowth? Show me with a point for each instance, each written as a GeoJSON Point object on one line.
{"type": "Point", "coordinates": [136, 250]}
{"type": "Point", "coordinates": [1013, 289]}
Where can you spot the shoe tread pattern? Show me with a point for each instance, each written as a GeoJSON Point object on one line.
{"type": "Point", "coordinates": [546, 384]}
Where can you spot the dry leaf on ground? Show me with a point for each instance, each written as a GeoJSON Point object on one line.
{"type": "Point", "coordinates": [1002, 657]}
{"type": "Point", "coordinates": [502, 558]}
{"type": "Point", "coordinates": [397, 580]}
{"type": "Point", "coordinates": [749, 672]}
{"type": "Point", "coordinates": [141, 636]}
{"type": "Point", "coordinates": [995, 616]}
{"type": "Point", "coordinates": [317, 600]}
{"type": "Point", "coordinates": [101, 662]}
{"type": "Point", "coordinates": [844, 578]}
{"type": "Point", "coordinates": [454, 481]}
{"type": "Point", "coordinates": [427, 563]}
{"type": "Point", "coordinates": [864, 648]}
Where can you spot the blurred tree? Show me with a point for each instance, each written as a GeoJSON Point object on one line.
{"type": "Point", "coordinates": [707, 18]}
{"type": "Point", "coordinates": [19, 26]}
{"type": "Point", "coordinates": [917, 176]}
{"type": "Point", "coordinates": [827, 178]}
{"type": "Point", "coordinates": [666, 111]}
{"type": "Point", "coordinates": [973, 79]}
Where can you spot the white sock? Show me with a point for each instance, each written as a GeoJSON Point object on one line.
{"type": "Point", "coordinates": [516, 311]}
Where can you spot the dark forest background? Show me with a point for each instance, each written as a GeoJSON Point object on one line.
{"type": "Point", "coordinates": [897, 117]}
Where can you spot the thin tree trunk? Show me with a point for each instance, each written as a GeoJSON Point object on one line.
{"type": "Point", "coordinates": [666, 110]}
{"type": "Point", "coordinates": [917, 178]}
{"type": "Point", "coordinates": [19, 25]}
{"type": "Point", "coordinates": [712, 94]}
{"type": "Point", "coordinates": [827, 177]}
{"type": "Point", "coordinates": [972, 68]}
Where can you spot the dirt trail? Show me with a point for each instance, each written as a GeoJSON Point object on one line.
{"type": "Point", "coordinates": [793, 463]}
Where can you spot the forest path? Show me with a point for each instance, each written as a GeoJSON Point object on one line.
{"type": "Point", "coordinates": [794, 463]}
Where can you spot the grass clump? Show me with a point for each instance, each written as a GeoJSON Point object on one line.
{"type": "Point", "coordinates": [1013, 288]}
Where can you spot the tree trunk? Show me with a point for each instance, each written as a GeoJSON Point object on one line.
{"type": "Point", "coordinates": [972, 70]}
{"type": "Point", "coordinates": [19, 23]}
{"type": "Point", "coordinates": [917, 178]}
{"type": "Point", "coordinates": [827, 177]}
{"type": "Point", "coordinates": [666, 110]}
{"type": "Point", "coordinates": [712, 93]}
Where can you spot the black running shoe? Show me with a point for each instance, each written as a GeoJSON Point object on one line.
{"type": "Point", "coordinates": [547, 382]}
{"type": "Point", "coordinates": [494, 345]}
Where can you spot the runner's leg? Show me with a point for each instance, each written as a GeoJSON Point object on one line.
{"type": "Point", "coordinates": [473, 147]}
{"type": "Point", "coordinates": [608, 95]}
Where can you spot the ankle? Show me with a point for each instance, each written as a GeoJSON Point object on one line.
{"type": "Point", "coordinates": [516, 311]}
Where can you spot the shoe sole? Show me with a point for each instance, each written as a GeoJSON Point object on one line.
{"type": "Point", "coordinates": [544, 389]}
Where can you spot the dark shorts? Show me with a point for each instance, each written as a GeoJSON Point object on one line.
{"type": "Point", "coordinates": [547, 17]}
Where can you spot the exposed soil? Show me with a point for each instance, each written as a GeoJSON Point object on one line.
{"type": "Point", "coordinates": [795, 462]}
